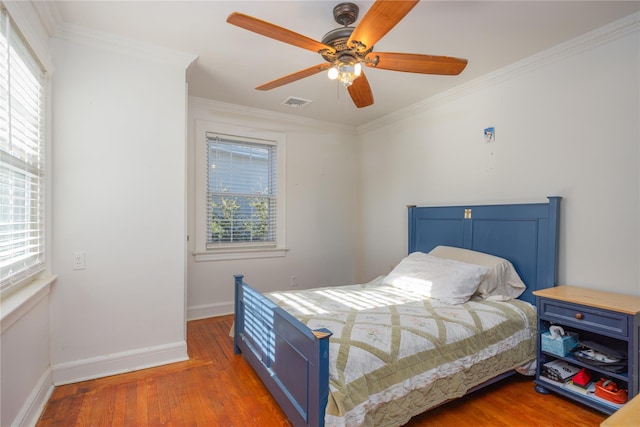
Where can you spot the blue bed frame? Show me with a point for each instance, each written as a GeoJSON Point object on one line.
{"type": "Point", "coordinates": [293, 360]}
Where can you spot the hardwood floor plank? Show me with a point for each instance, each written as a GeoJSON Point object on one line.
{"type": "Point", "coordinates": [153, 405]}
{"type": "Point", "coordinates": [142, 410]}
{"type": "Point", "coordinates": [216, 388]}
{"type": "Point", "coordinates": [130, 403]}
{"type": "Point", "coordinates": [202, 408]}
{"type": "Point", "coordinates": [119, 405]}
{"type": "Point", "coordinates": [84, 414]}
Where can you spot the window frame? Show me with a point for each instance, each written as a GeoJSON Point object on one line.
{"type": "Point", "coordinates": [36, 271]}
{"type": "Point", "coordinates": [244, 250]}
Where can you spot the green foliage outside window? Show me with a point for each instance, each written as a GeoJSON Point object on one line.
{"type": "Point", "coordinates": [231, 223]}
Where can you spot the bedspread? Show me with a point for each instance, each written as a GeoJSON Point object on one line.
{"type": "Point", "coordinates": [394, 354]}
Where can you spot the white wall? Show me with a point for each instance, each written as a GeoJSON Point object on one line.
{"type": "Point", "coordinates": [119, 176]}
{"type": "Point", "coordinates": [321, 211]}
{"type": "Point", "coordinates": [26, 382]}
{"type": "Point", "coordinates": [567, 124]}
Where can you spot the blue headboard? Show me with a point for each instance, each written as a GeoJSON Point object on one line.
{"type": "Point", "coordinates": [525, 234]}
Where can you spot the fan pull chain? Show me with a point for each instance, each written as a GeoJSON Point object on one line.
{"type": "Point", "coordinates": [339, 88]}
{"type": "Point", "coordinates": [346, 100]}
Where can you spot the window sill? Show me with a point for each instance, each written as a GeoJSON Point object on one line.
{"type": "Point", "coordinates": [235, 254]}
{"type": "Point", "coordinates": [18, 303]}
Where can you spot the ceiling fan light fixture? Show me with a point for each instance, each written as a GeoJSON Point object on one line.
{"type": "Point", "coordinates": [345, 71]}
{"type": "Point", "coordinates": [357, 69]}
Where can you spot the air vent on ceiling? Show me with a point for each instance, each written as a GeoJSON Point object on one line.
{"type": "Point", "coordinates": [294, 102]}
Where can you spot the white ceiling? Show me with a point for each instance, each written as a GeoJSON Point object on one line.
{"type": "Point", "coordinates": [233, 61]}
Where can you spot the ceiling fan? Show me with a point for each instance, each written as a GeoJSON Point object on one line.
{"type": "Point", "coordinates": [346, 49]}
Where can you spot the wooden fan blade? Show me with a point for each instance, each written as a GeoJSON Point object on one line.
{"type": "Point", "coordinates": [379, 20]}
{"type": "Point", "coordinates": [360, 92]}
{"type": "Point", "coordinates": [414, 63]}
{"type": "Point", "coordinates": [290, 78]}
{"type": "Point", "coordinates": [275, 32]}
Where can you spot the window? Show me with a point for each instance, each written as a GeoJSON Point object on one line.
{"type": "Point", "coordinates": [21, 159]}
{"type": "Point", "coordinates": [240, 193]}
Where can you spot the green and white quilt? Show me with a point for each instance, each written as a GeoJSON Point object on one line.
{"type": "Point", "coordinates": [394, 354]}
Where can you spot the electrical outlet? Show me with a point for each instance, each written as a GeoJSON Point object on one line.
{"type": "Point", "coordinates": [294, 281]}
{"type": "Point", "coordinates": [79, 261]}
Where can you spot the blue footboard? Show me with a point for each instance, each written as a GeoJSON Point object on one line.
{"type": "Point", "coordinates": [291, 359]}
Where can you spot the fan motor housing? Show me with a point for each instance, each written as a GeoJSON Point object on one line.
{"type": "Point", "coordinates": [338, 39]}
{"type": "Point", "coordinates": [346, 13]}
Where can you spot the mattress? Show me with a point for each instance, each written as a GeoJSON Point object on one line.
{"type": "Point", "coordinates": [395, 354]}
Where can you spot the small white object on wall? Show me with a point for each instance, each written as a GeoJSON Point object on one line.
{"type": "Point", "coordinates": [79, 261]}
{"type": "Point", "coordinates": [489, 134]}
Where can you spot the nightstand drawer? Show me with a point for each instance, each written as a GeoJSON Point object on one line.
{"type": "Point", "coordinates": [601, 321]}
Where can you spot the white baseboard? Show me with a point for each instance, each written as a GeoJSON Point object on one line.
{"type": "Point", "coordinates": [34, 405]}
{"type": "Point", "coordinates": [127, 361]}
{"type": "Point", "coordinates": [209, 310]}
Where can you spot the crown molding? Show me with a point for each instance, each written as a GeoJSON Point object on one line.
{"type": "Point", "coordinates": [123, 45]}
{"type": "Point", "coordinates": [243, 112]}
{"type": "Point", "coordinates": [49, 15]}
{"type": "Point", "coordinates": [590, 40]}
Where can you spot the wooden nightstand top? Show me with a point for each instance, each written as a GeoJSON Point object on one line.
{"type": "Point", "coordinates": [593, 298]}
{"type": "Point", "coordinates": [629, 415]}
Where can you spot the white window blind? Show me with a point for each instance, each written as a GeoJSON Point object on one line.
{"type": "Point", "coordinates": [21, 159]}
{"type": "Point", "coordinates": [241, 191]}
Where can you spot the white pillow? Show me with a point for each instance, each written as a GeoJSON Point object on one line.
{"type": "Point", "coordinates": [447, 280]}
{"type": "Point", "coordinates": [502, 282]}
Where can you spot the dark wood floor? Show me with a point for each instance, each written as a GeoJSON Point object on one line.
{"type": "Point", "coordinates": [217, 388]}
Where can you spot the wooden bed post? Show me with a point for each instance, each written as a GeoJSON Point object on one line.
{"type": "Point", "coordinates": [552, 254]}
{"type": "Point", "coordinates": [238, 317]}
{"type": "Point", "coordinates": [319, 375]}
{"type": "Point", "coordinates": [411, 209]}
